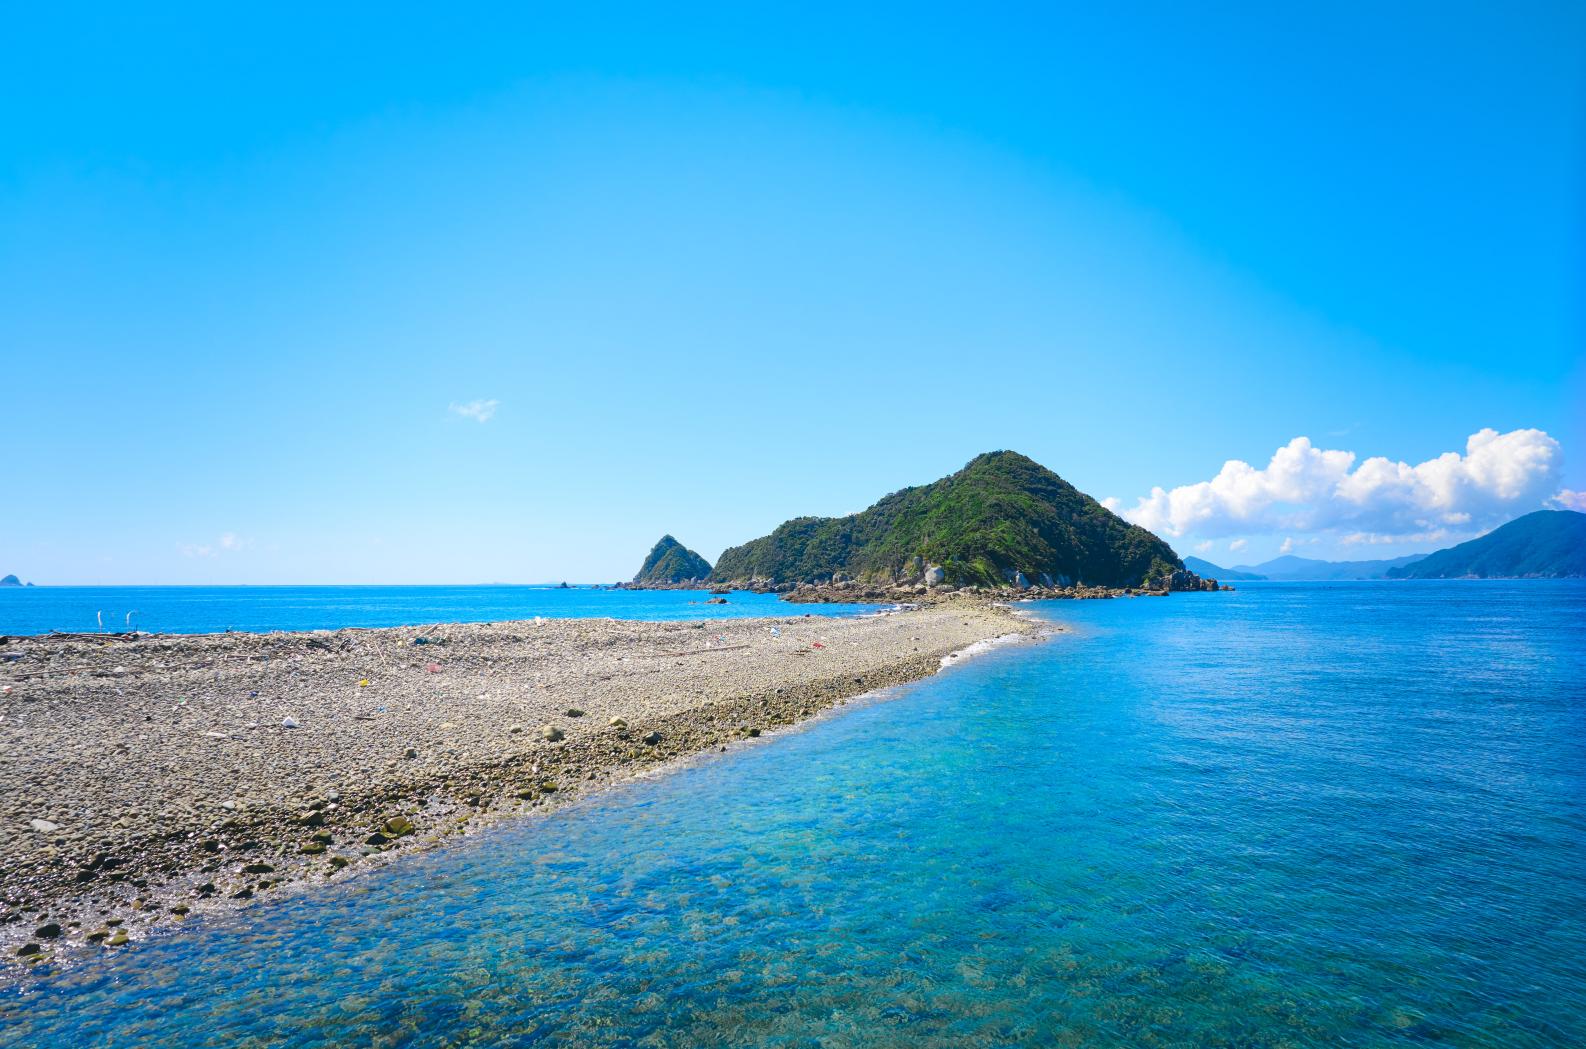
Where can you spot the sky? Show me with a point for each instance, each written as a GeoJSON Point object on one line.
{"type": "Point", "coordinates": [392, 295]}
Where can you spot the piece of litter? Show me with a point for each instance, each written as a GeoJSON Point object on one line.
{"type": "Point", "coordinates": [776, 631]}
{"type": "Point", "coordinates": [289, 722]}
{"type": "Point", "coordinates": [217, 735]}
{"type": "Point", "coordinates": [363, 682]}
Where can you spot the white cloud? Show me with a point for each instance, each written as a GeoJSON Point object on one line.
{"type": "Point", "coordinates": [1288, 546]}
{"type": "Point", "coordinates": [1569, 500]}
{"type": "Point", "coordinates": [229, 542]}
{"type": "Point", "coordinates": [1308, 489]}
{"type": "Point", "coordinates": [481, 411]}
{"type": "Point", "coordinates": [1238, 545]}
{"type": "Point", "coordinates": [1205, 547]}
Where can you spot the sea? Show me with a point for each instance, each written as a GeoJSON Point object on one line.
{"type": "Point", "coordinates": [1336, 814]}
{"type": "Point", "coordinates": [260, 609]}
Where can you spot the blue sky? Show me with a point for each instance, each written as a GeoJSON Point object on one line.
{"type": "Point", "coordinates": [702, 271]}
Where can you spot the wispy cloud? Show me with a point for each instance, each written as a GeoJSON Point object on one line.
{"type": "Point", "coordinates": [1238, 545]}
{"type": "Point", "coordinates": [480, 411]}
{"type": "Point", "coordinates": [1569, 500]}
{"type": "Point", "coordinates": [229, 542]}
{"type": "Point", "coordinates": [1309, 490]}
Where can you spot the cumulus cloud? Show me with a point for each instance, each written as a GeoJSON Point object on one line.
{"type": "Point", "coordinates": [1308, 489]}
{"type": "Point", "coordinates": [1569, 500]}
{"type": "Point", "coordinates": [1288, 546]}
{"type": "Point", "coordinates": [1238, 545]}
{"type": "Point", "coordinates": [480, 411]}
{"type": "Point", "coordinates": [1203, 547]}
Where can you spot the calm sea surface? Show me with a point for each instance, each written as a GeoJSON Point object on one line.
{"type": "Point", "coordinates": [210, 609]}
{"type": "Point", "coordinates": [1295, 815]}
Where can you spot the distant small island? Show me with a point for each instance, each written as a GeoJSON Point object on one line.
{"type": "Point", "coordinates": [672, 562]}
{"type": "Point", "coordinates": [12, 580]}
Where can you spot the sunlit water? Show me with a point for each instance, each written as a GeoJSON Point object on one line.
{"type": "Point", "coordinates": [1296, 815]}
{"type": "Point", "coordinates": [210, 609]}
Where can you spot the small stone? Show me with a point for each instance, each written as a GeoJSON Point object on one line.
{"type": "Point", "coordinates": [410, 753]}
{"type": "Point", "coordinates": [181, 909]}
{"type": "Point", "coordinates": [552, 734]}
{"type": "Point", "coordinates": [47, 932]}
{"type": "Point", "coordinates": [28, 949]}
{"type": "Point", "coordinates": [617, 723]}
{"type": "Point", "coordinates": [324, 837]}
{"type": "Point", "coordinates": [98, 934]}
{"type": "Point", "coordinates": [338, 862]}
{"type": "Point", "coordinates": [117, 939]}
{"type": "Point", "coordinates": [44, 826]}
{"type": "Point", "coordinates": [312, 848]}
{"type": "Point", "coordinates": [258, 868]}
{"type": "Point", "coordinates": [652, 738]}
{"type": "Point", "coordinates": [376, 839]}
{"type": "Point", "coordinates": [548, 787]}
{"type": "Point", "coordinates": [244, 893]}
{"type": "Point", "coordinates": [574, 712]}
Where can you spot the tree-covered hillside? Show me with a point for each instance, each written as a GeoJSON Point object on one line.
{"type": "Point", "coordinates": [1002, 514]}
{"type": "Point", "coordinates": [1547, 544]}
{"type": "Point", "coordinates": [672, 562]}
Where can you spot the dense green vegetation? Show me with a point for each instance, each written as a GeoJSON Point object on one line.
{"type": "Point", "coordinates": [1547, 544]}
{"type": "Point", "coordinates": [672, 562]}
{"type": "Point", "coordinates": [1003, 513]}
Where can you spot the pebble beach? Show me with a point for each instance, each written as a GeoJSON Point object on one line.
{"type": "Point", "coordinates": [147, 780]}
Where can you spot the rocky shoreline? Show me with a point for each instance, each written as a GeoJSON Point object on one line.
{"type": "Point", "coordinates": [146, 780]}
{"type": "Point", "coordinates": [920, 593]}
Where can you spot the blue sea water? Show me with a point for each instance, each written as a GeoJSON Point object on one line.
{"type": "Point", "coordinates": [1295, 815]}
{"type": "Point", "coordinates": [211, 609]}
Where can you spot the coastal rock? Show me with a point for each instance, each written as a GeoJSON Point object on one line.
{"type": "Point", "coordinates": [552, 734]}
{"type": "Point", "coordinates": [44, 826]}
{"type": "Point", "coordinates": [935, 575]}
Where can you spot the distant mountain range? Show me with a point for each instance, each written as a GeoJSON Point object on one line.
{"type": "Point", "coordinates": [1202, 567]}
{"type": "Point", "coordinates": [672, 562]}
{"type": "Point", "coordinates": [1291, 569]}
{"type": "Point", "coordinates": [1547, 544]}
{"type": "Point", "coordinates": [1002, 518]}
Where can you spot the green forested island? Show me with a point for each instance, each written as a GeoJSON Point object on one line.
{"type": "Point", "coordinates": [1003, 519]}
{"type": "Point", "coordinates": [672, 562]}
{"type": "Point", "coordinates": [1547, 544]}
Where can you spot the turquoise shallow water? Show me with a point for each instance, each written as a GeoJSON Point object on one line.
{"type": "Point", "coordinates": [210, 609]}
{"type": "Point", "coordinates": [1337, 814]}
